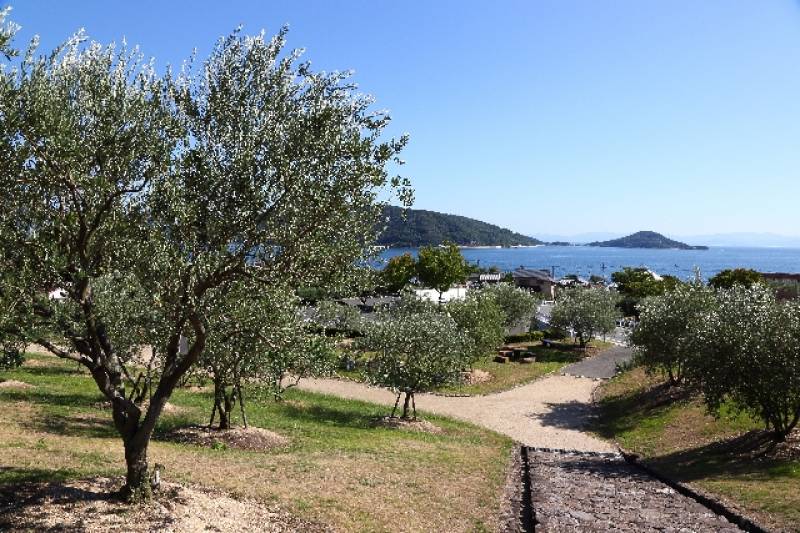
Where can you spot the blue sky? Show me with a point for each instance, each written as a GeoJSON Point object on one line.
{"type": "Point", "coordinates": [561, 116]}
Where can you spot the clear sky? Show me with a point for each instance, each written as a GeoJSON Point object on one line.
{"type": "Point", "coordinates": [559, 116]}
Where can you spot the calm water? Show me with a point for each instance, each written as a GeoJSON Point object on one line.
{"type": "Point", "coordinates": [585, 261]}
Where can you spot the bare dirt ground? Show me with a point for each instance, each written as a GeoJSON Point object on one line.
{"type": "Point", "coordinates": [410, 425]}
{"type": "Point", "coordinates": [250, 438]}
{"type": "Point", "coordinates": [550, 412]}
{"type": "Point", "coordinates": [14, 384]}
{"type": "Point", "coordinates": [87, 505]}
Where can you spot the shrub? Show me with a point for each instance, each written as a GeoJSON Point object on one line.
{"type": "Point", "coordinates": [11, 357]}
{"type": "Point", "coordinates": [531, 336]}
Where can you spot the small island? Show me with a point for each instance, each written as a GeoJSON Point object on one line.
{"type": "Point", "coordinates": [647, 239]}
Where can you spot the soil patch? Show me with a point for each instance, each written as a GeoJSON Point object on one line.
{"type": "Point", "coordinates": [251, 438]}
{"type": "Point", "coordinates": [420, 425]}
{"type": "Point", "coordinates": [14, 384]}
{"type": "Point", "coordinates": [476, 376]}
{"type": "Point", "coordinates": [169, 408]}
{"type": "Point", "coordinates": [90, 505]}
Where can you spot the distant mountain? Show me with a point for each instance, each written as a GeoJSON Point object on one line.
{"type": "Point", "coordinates": [425, 228]}
{"type": "Point", "coordinates": [646, 239]}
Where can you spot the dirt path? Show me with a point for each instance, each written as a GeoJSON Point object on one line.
{"type": "Point", "coordinates": [549, 412]}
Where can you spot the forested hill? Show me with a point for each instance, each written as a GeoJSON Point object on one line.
{"type": "Point", "coordinates": [424, 228]}
{"type": "Point", "coordinates": [647, 239]}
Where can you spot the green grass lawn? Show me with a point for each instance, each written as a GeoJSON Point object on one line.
{"type": "Point", "coordinates": [338, 468]}
{"type": "Point", "coordinates": [673, 432]}
{"type": "Point", "coordinates": [504, 376]}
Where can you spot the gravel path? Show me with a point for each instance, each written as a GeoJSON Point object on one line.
{"type": "Point", "coordinates": [547, 413]}
{"type": "Point", "coordinates": [602, 365]}
{"type": "Point", "coordinates": [581, 493]}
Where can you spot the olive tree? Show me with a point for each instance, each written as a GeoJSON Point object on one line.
{"type": "Point", "coordinates": [750, 356]}
{"type": "Point", "coordinates": [665, 338]}
{"type": "Point", "coordinates": [480, 317]}
{"type": "Point", "coordinates": [336, 317]}
{"type": "Point", "coordinates": [259, 342]}
{"type": "Point", "coordinates": [585, 311]}
{"type": "Point", "coordinates": [418, 348]}
{"type": "Point", "coordinates": [174, 186]}
{"type": "Point", "coordinates": [517, 305]}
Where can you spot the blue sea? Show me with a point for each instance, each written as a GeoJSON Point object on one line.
{"type": "Point", "coordinates": [585, 261]}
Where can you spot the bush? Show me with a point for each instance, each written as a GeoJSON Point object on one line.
{"type": "Point", "coordinates": [555, 334]}
{"type": "Point", "coordinates": [531, 336]}
{"type": "Point", "coordinates": [11, 357]}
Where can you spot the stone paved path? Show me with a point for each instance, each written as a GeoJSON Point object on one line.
{"type": "Point", "coordinates": [602, 365]}
{"type": "Point", "coordinates": [582, 493]}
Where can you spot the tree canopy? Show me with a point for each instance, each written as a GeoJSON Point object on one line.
{"type": "Point", "coordinates": [441, 267]}
{"type": "Point", "coordinates": [418, 348]}
{"type": "Point", "coordinates": [726, 279]}
{"type": "Point", "coordinates": [585, 311]}
{"type": "Point", "coordinates": [397, 273]}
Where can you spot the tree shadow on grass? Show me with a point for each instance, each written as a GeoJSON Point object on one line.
{"type": "Point", "coordinates": [751, 454]}
{"type": "Point", "coordinates": [54, 370]}
{"type": "Point", "coordinates": [43, 397]}
{"type": "Point", "coordinates": [10, 475]}
{"type": "Point", "coordinates": [619, 414]}
{"type": "Point", "coordinates": [329, 416]}
{"type": "Point", "coordinates": [91, 425]}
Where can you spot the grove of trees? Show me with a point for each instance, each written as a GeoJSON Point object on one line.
{"type": "Point", "coordinates": [738, 346]}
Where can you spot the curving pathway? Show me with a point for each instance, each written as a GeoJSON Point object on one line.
{"type": "Point", "coordinates": [548, 413]}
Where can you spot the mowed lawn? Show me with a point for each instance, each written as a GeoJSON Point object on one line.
{"type": "Point", "coordinates": [338, 468]}
{"type": "Point", "coordinates": [724, 455]}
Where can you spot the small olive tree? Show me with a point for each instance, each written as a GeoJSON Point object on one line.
{"type": "Point", "coordinates": [665, 338]}
{"type": "Point", "coordinates": [258, 343]}
{"type": "Point", "coordinates": [480, 317]}
{"type": "Point", "coordinates": [418, 348]}
{"type": "Point", "coordinates": [750, 356]}
{"type": "Point", "coordinates": [585, 311]}
{"type": "Point", "coordinates": [517, 305]}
